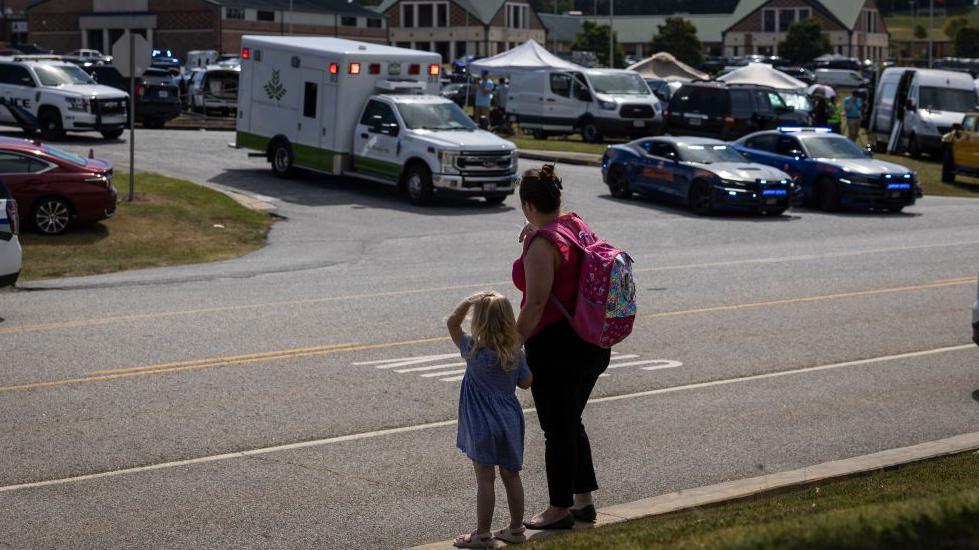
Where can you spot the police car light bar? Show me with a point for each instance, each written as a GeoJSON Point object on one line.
{"type": "Point", "coordinates": [798, 129]}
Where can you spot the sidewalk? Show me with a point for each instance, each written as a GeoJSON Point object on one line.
{"type": "Point", "coordinates": [580, 159]}
{"type": "Point", "coordinates": [734, 490]}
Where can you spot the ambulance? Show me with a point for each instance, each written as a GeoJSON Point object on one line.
{"type": "Point", "coordinates": [369, 111]}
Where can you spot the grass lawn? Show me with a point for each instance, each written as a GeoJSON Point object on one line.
{"type": "Point", "coordinates": [172, 222]}
{"type": "Point", "coordinates": [901, 28]}
{"type": "Point", "coordinates": [929, 172]}
{"type": "Point", "coordinates": [931, 504]}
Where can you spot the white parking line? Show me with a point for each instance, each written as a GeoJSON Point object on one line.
{"type": "Point", "coordinates": [410, 362]}
{"type": "Point", "coordinates": [430, 367]}
{"type": "Point", "coordinates": [452, 379]}
{"type": "Point", "coordinates": [419, 427]}
{"type": "Point", "coordinates": [446, 373]}
{"type": "Point", "coordinates": [618, 357]}
{"type": "Point", "coordinates": [398, 360]}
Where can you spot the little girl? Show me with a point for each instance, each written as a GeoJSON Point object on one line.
{"type": "Point", "coordinates": [491, 422]}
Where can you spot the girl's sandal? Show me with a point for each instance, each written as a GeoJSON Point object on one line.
{"type": "Point", "coordinates": [474, 540]}
{"type": "Point", "coordinates": [511, 536]}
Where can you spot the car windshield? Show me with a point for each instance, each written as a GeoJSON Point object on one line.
{"type": "Point", "coordinates": [64, 155]}
{"type": "Point", "coordinates": [435, 116]}
{"type": "Point", "coordinates": [947, 99]}
{"type": "Point", "coordinates": [708, 154]}
{"type": "Point", "coordinates": [833, 147]}
{"type": "Point", "coordinates": [800, 102]}
{"type": "Point", "coordinates": [51, 75]}
{"type": "Point", "coordinates": [618, 84]}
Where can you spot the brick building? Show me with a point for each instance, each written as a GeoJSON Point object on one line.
{"type": "Point", "coordinates": [184, 25]}
{"type": "Point", "coordinates": [453, 28]}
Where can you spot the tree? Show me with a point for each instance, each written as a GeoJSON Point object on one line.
{"type": "Point", "coordinates": [967, 42]}
{"type": "Point", "coordinates": [678, 37]}
{"type": "Point", "coordinates": [919, 32]}
{"type": "Point", "coordinates": [804, 41]}
{"type": "Point", "coordinates": [952, 26]}
{"type": "Point", "coordinates": [594, 38]}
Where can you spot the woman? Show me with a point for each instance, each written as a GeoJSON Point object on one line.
{"type": "Point", "coordinates": [565, 367]}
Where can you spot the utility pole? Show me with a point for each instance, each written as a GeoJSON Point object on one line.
{"type": "Point", "coordinates": [611, 34]}
{"type": "Point", "coordinates": [931, 23]}
{"type": "Point", "coordinates": [913, 47]}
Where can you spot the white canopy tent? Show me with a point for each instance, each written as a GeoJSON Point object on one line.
{"type": "Point", "coordinates": [762, 75]}
{"type": "Point", "coordinates": [529, 56]}
{"type": "Point", "coordinates": [665, 66]}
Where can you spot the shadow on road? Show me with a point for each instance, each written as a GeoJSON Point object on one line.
{"type": "Point", "coordinates": [320, 190]}
{"type": "Point", "coordinates": [665, 207]}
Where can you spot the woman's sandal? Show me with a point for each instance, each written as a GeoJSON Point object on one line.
{"type": "Point", "coordinates": [474, 540]}
{"type": "Point", "coordinates": [511, 536]}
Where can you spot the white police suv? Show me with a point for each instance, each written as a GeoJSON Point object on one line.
{"type": "Point", "coordinates": [55, 97]}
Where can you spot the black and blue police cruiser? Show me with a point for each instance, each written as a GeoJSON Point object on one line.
{"type": "Point", "coordinates": [832, 171]}
{"type": "Point", "coordinates": [706, 174]}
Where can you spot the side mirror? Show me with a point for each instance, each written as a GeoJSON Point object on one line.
{"type": "Point", "coordinates": [376, 125]}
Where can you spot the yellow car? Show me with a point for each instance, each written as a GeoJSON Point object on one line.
{"type": "Point", "coordinates": [961, 149]}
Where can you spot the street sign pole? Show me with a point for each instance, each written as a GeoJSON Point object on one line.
{"type": "Point", "coordinates": [132, 116]}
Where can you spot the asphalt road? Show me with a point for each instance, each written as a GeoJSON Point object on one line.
{"type": "Point", "coordinates": [304, 396]}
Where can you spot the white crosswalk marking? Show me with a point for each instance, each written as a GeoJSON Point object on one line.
{"type": "Point", "coordinates": [420, 359]}
{"type": "Point", "coordinates": [431, 367]}
{"type": "Point", "coordinates": [452, 379]}
{"type": "Point", "coordinates": [446, 373]}
{"type": "Point", "coordinates": [407, 363]}
{"type": "Point", "coordinates": [671, 364]}
{"type": "Point", "coordinates": [623, 357]}
{"type": "Point", "coordinates": [667, 364]}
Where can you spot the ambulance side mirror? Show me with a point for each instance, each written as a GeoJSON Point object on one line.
{"type": "Point", "coordinates": [377, 125]}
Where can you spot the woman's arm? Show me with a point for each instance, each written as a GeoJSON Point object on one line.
{"type": "Point", "coordinates": [540, 262]}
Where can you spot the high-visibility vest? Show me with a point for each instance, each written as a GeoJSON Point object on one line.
{"type": "Point", "coordinates": [835, 113]}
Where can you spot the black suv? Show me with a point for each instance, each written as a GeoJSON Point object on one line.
{"type": "Point", "coordinates": [156, 103]}
{"type": "Point", "coordinates": [727, 112]}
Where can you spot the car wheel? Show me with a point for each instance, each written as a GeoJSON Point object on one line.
{"type": "Point", "coordinates": [618, 182]}
{"type": "Point", "coordinates": [495, 199]}
{"type": "Point", "coordinates": [828, 195]}
{"type": "Point", "coordinates": [51, 126]}
{"type": "Point", "coordinates": [52, 216]}
{"type": "Point", "coordinates": [701, 200]}
{"type": "Point", "coordinates": [418, 182]}
{"type": "Point", "coordinates": [112, 134]}
{"type": "Point", "coordinates": [590, 133]}
{"type": "Point", "coordinates": [282, 159]}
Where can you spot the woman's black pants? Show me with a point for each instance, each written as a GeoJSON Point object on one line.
{"type": "Point", "coordinates": [565, 369]}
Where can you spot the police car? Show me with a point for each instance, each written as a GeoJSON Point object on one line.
{"type": "Point", "coordinates": [832, 170]}
{"type": "Point", "coordinates": [45, 93]}
{"type": "Point", "coordinates": [704, 173]}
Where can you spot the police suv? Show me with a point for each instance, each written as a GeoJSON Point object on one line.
{"type": "Point", "coordinates": [45, 93]}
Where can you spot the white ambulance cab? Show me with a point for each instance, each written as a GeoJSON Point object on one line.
{"type": "Point", "coordinates": [370, 111]}
{"type": "Point", "coordinates": [38, 92]}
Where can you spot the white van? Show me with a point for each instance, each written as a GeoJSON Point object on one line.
{"type": "Point", "coordinates": [199, 59]}
{"type": "Point", "coordinates": [914, 108]}
{"type": "Point", "coordinates": [595, 102]}
{"type": "Point", "coordinates": [371, 111]}
{"type": "Point", "coordinates": [840, 78]}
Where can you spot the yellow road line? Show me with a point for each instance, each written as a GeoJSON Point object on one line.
{"type": "Point", "coordinates": [64, 325]}
{"type": "Point", "coordinates": [102, 375]}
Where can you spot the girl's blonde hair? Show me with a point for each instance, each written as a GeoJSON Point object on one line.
{"type": "Point", "coordinates": [495, 329]}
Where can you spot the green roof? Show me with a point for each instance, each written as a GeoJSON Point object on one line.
{"type": "Point", "coordinates": [482, 10]}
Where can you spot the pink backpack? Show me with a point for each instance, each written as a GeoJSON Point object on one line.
{"type": "Point", "coordinates": [606, 306]}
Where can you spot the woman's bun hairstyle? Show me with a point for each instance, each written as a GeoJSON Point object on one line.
{"type": "Point", "coordinates": [542, 189]}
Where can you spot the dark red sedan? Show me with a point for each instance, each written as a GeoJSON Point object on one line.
{"type": "Point", "coordinates": [55, 188]}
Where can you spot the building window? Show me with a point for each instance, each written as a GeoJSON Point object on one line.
{"type": "Point", "coordinates": [517, 16]}
{"type": "Point", "coordinates": [407, 15]}
{"type": "Point", "coordinates": [348, 21]}
{"type": "Point", "coordinates": [424, 14]}
{"type": "Point", "coordinates": [234, 13]}
{"type": "Point", "coordinates": [265, 15]}
{"type": "Point", "coordinates": [373, 23]}
{"type": "Point", "coordinates": [768, 23]}
{"type": "Point", "coordinates": [785, 19]}
{"type": "Point", "coordinates": [442, 15]}
{"type": "Point", "coordinates": [804, 13]}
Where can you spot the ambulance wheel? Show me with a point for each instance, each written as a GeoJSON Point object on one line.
{"type": "Point", "coordinates": [112, 134]}
{"type": "Point", "coordinates": [828, 195]}
{"type": "Point", "coordinates": [495, 199]}
{"type": "Point", "coordinates": [418, 183]}
{"type": "Point", "coordinates": [282, 158]}
{"type": "Point", "coordinates": [51, 126]}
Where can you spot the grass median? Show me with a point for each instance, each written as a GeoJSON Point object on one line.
{"type": "Point", "coordinates": [932, 504]}
{"type": "Point", "coordinates": [171, 222]}
{"type": "Point", "coordinates": [929, 171]}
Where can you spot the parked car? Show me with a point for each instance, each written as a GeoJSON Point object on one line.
{"type": "Point", "coordinates": [54, 188]}
{"type": "Point", "coordinates": [723, 111]}
{"type": "Point", "coordinates": [840, 78]}
{"type": "Point", "coordinates": [32, 49]}
{"type": "Point", "coordinates": [10, 253]}
{"type": "Point", "coordinates": [663, 89]}
{"type": "Point", "coordinates": [702, 173]}
{"type": "Point", "coordinates": [156, 103]}
{"type": "Point", "coordinates": [164, 58]}
{"type": "Point", "coordinates": [214, 89]}
{"type": "Point", "coordinates": [87, 56]}
{"type": "Point", "coordinates": [832, 170]}
{"type": "Point", "coordinates": [228, 59]}
{"type": "Point", "coordinates": [799, 73]}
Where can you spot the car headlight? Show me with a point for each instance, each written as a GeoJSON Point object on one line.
{"type": "Point", "coordinates": [447, 159]}
{"type": "Point", "coordinates": [732, 183]}
{"type": "Point", "coordinates": [856, 179]}
{"type": "Point", "coordinates": [514, 159]}
{"type": "Point", "coordinates": [77, 104]}
{"type": "Point", "coordinates": [607, 105]}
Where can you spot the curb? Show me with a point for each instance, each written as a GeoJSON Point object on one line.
{"type": "Point", "coordinates": [579, 159]}
{"type": "Point", "coordinates": [247, 201]}
{"type": "Point", "coordinates": [735, 490]}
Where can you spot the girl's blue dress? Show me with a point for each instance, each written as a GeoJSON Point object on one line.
{"type": "Point", "coordinates": [491, 422]}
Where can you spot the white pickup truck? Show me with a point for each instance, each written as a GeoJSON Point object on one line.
{"type": "Point", "coordinates": [342, 107]}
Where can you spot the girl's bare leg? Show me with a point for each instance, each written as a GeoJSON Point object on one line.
{"type": "Point", "coordinates": [514, 496]}
{"type": "Point", "coordinates": [485, 497]}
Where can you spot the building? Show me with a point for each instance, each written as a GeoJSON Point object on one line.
{"type": "Point", "coordinates": [13, 21]}
{"type": "Point", "coordinates": [454, 28]}
{"type": "Point", "coordinates": [854, 27]}
{"type": "Point", "coordinates": [184, 25]}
